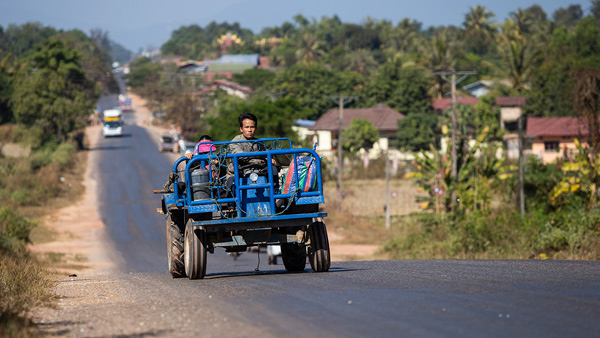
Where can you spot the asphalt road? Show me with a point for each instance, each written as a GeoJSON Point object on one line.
{"type": "Point", "coordinates": [448, 298]}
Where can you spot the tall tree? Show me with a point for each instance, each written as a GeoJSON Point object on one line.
{"type": "Point", "coordinates": [552, 81]}
{"type": "Point", "coordinates": [595, 10]}
{"type": "Point", "coordinates": [403, 89]}
{"type": "Point", "coordinates": [275, 118]}
{"type": "Point", "coordinates": [568, 16]}
{"type": "Point", "coordinates": [310, 49]}
{"type": "Point", "coordinates": [51, 92]}
{"type": "Point", "coordinates": [518, 55]}
{"type": "Point", "coordinates": [311, 84]}
{"type": "Point", "coordinates": [441, 52]}
{"type": "Point", "coordinates": [360, 61]}
{"type": "Point", "coordinates": [479, 29]}
{"type": "Point", "coordinates": [404, 37]}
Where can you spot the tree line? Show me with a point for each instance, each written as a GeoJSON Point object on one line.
{"type": "Point", "coordinates": [531, 53]}
{"type": "Point", "coordinates": [552, 60]}
{"type": "Point", "coordinates": [51, 79]}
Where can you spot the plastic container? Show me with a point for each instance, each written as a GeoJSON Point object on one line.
{"type": "Point", "coordinates": [200, 184]}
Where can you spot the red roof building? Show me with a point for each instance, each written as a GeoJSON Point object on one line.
{"type": "Point", "coordinates": [551, 127]}
{"type": "Point", "coordinates": [440, 105]}
{"type": "Point", "coordinates": [553, 137]}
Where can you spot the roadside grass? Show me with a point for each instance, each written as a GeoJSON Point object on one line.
{"type": "Point", "coordinates": [34, 184]}
{"type": "Point", "coordinates": [501, 233]}
{"type": "Point", "coordinates": [24, 284]}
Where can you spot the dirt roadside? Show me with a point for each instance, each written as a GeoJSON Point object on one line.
{"type": "Point", "coordinates": [80, 237]}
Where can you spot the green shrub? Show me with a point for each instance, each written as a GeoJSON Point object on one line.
{"type": "Point", "coordinates": [23, 197]}
{"type": "Point", "coordinates": [63, 155]}
{"type": "Point", "coordinates": [40, 158]}
{"type": "Point", "coordinates": [14, 231]}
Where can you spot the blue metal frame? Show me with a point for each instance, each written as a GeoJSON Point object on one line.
{"type": "Point", "coordinates": [273, 146]}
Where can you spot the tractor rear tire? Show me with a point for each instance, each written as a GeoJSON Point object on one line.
{"type": "Point", "coordinates": [293, 256]}
{"type": "Point", "coordinates": [318, 251]}
{"type": "Point", "coordinates": [175, 249]}
{"type": "Point", "coordinates": [195, 253]}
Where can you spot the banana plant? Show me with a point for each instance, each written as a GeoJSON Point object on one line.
{"type": "Point", "coordinates": [577, 178]}
{"type": "Point", "coordinates": [478, 167]}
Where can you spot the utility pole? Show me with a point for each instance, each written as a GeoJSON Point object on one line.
{"type": "Point", "coordinates": [453, 82]}
{"type": "Point", "coordinates": [387, 188]}
{"type": "Point", "coordinates": [521, 171]}
{"type": "Point", "coordinates": [342, 99]}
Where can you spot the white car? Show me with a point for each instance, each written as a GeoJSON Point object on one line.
{"type": "Point", "coordinates": [112, 128]}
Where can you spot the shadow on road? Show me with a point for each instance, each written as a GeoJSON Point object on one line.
{"type": "Point", "coordinates": [269, 273]}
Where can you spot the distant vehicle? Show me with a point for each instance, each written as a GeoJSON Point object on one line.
{"type": "Point", "coordinates": [166, 143]}
{"type": "Point", "coordinates": [112, 129]}
{"type": "Point", "coordinates": [113, 126]}
{"type": "Point", "coordinates": [125, 103]}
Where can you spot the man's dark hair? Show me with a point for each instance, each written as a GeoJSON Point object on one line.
{"type": "Point", "coordinates": [246, 115]}
{"type": "Point", "coordinates": [205, 138]}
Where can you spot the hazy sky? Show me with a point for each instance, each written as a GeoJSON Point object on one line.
{"type": "Point", "coordinates": [144, 23]}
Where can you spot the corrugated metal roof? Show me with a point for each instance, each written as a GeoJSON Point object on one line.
{"type": "Point", "coordinates": [249, 59]}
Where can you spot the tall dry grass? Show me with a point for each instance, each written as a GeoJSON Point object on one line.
{"type": "Point", "coordinates": [24, 283]}
{"type": "Point", "coordinates": [34, 185]}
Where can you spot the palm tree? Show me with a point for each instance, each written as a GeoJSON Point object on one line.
{"type": "Point", "coordinates": [310, 49]}
{"type": "Point", "coordinates": [360, 61]}
{"type": "Point", "coordinates": [479, 30]}
{"type": "Point", "coordinates": [441, 53]}
{"type": "Point", "coordinates": [405, 35]}
{"type": "Point", "coordinates": [523, 20]}
{"type": "Point", "coordinates": [518, 55]}
{"type": "Point", "coordinates": [478, 19]}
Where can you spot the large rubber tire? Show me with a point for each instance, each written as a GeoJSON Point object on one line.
{"type": "Point", "coordinates": [318, 251]}
{"type": "Point", "coordinates": [293, 256]}
{"type": "Point", "coordinates": [194, 253]}
{"type": "Point", "coordinates": [175, 249]}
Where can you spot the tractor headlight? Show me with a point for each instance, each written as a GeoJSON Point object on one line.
{"type": "Point", "coordinates": [254, 177]}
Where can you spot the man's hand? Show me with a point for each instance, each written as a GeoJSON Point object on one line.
{"type": "Point", "coordinates": [189, 156]}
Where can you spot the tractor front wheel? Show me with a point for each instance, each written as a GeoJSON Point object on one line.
{"type": "Point", "coordinates": [174, 249]}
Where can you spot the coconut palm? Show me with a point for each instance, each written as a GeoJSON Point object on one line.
{"type": "Point", "coordinates": [441, 52]}
{"type": "Point", "coordinates": [518, 54]}
{"type": "Point", "coordinates": [479, 29]}
{"type": "Point", "coordinates": [478, 19]}
{"type": "Point", "coordinates": [310, 49]}
{"type": "Point", "coordinates": [523, 19]}
{"type": "Point", "coordinates": [405, 35]}
{"type": "Point", "coordinates": [360, 61]}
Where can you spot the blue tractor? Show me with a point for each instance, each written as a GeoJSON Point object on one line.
{"type": "Point", "coordinates": [269, 194]}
